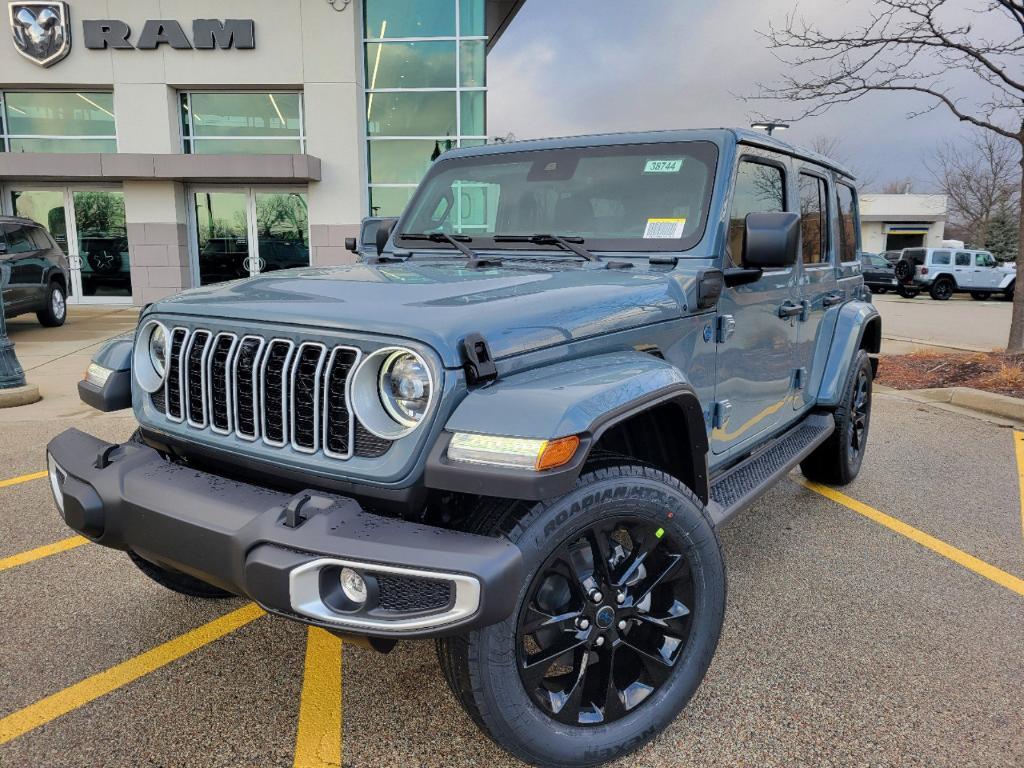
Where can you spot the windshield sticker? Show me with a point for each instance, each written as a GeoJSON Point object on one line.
{"type": "Point", "coordinates": [664, 229]}
{"type": "Point", "coordinates": [663, 166]}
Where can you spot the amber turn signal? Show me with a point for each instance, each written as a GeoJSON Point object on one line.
{"type": "Point", "coordinates": [557, 453]}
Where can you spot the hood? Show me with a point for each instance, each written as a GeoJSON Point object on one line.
{"type": "Point", "coordinates": [518, 307]}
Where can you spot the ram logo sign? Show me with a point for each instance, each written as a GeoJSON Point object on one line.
{"type": "Point", "coordinates": [42, 31]}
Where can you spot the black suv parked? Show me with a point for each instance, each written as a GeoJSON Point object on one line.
{"type": "Point", "coordinates": [33, 272]}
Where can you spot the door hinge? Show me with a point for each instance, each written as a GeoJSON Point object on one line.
{"type": "Point", "coordinates": [799, 378]}
{"type": "Point", "coordinates": [477, 360]}
{"type": "Point", "coordinates": [720, 414]}
{"type": "Point", "coordinates": [725, 328]}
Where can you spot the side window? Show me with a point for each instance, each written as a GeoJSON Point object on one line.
{"type": "Point", "coordinates": [940, 258]}
{"type": "Point", "coordinates": [963, 259]}
{"type": "Point", "coordinates": [849, 231]}
{"type": "Point", "coordinates": [760, 188]}
{"type": "Point", "coordinates": [39, 238]}
{"type": "Point", "coordinates": [813, 219]}
{"type": "Point", "coordinates": [985, 260]}
{"type": "Point", "coordinates": [17, 239]}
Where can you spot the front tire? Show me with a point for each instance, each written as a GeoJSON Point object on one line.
{"type": "Point", "coordinates": [55, 310]}
{"type": "Point", "coordinates": [908, 293]}
{"type": "Point", "coordinates": [837, 461]}
{"type": "Point", "coordinates": [614, 626]}
{"type": "Point", "coordinates": [181, 583]}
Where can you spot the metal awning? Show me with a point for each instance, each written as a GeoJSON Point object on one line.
{"type": "Point", "coordinates": [499, 15]}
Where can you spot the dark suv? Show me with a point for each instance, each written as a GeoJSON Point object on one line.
{"type": "Point", "coordinates": [33, 272]}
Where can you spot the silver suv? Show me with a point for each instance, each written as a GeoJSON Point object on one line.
{"type": "Point", "coordinates": [945, 271]}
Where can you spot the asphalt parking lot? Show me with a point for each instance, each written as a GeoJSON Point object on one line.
{"type": "Point", "coordinates": [846, 642]}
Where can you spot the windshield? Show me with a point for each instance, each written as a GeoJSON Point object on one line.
{"type": "Point", "coordinates": [642, 197]}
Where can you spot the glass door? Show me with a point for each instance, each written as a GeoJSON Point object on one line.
{"type": "Point", "coordinates": [89, 226]}
{"type": "Point", "coordinates": [246, 232]}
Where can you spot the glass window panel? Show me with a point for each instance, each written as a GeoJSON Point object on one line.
{"type": "Point", "coordinates": [471, 18]}
{"type": "Point", "coordinates": [849, 232]}
{"type": "Point", "coordinates": [46, 207]}
{"type": "Point", "coordinates": [472, 142]}
{"type": "Point", "coordinates": [102, 243]}
{"type": "Point", "coordinates": [410, 65]}
{"type": "Point", "coordinates": [411, 114]}
{"type": "Point", "coordinates": [243, 147]}
{"type": "Point", "coordinates": [474, 113]}
{"type": "Point", "coordinates": [760, 188]}
{"type": "Point", "coordinates": [48, 113]}
{"type": "Point", "coordinates": [223, 233]}
{"type": "Point", "coordinates": [813, 219]}
{"type": "Point", "coordinates": [472, 64]}
{"type": "Point", "coordinates": [282, 224]}
{"type": "Point", "coordinates": [246, 114]}
{"type": "Point", "coordinates": [64, 145]}
{"type": "Point", "coordinates": [410, 18]}
{"type": "Point", "coordinates": [389, 201]}
{"type": "Point", "coordinates": [399, 161]}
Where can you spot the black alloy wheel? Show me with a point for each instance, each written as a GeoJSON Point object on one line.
{"type": "Point", "coordinates": [605, 621]}
{"type": "Point", "coordinates": [942, 290]}
{"type": "Point", "coordinates": [860, 412]}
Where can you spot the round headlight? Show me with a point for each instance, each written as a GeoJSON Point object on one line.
{"type": "Point", "coordinates": [405, 388]}
{"type": "Point", "coordinates": [392, 392]}
{"type": "Point", "coordinates": [149, 360]}
{"type": "Point", "coordinates": [158, 349]}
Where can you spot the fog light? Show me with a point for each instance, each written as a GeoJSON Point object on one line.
{"type": "Point", "coordinates": [353, 586]}
{"type": "Point", "coordinates": [97, 375]}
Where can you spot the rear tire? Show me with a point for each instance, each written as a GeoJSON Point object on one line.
{"type": "Point", "coordinates": [907, 293]}
{"type": "Point", "coordinates": [181, 583]}
{"type": "Point", "coordinates": [55, 310]}
{"type": "Point", "coordinates": [980, 295]}
{"type": "Point", "coordinates": [942, 290]}
{"type": "Point", "coordinates": [837, 461]}
{"type": "Point", "coordinates": [879, 291]}
{"type": "Point", "coordinates": [531, 707]}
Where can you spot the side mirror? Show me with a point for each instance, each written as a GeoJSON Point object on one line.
{"type": "Point", "coordinates": [351, 244]}
{"type": "Point", "coordinates": [771, 240]}
{"type": "Point", "coordinates": [384, 234]}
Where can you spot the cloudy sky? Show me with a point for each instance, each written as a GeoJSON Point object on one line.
{"type": "Point", "coordinates": [584, 66]}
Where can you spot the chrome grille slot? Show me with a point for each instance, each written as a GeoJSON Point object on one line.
{"type": "Point", "coordinates": [246, 386]}
{"type": "Point", "coordinates": [173, 385]}
{"type": "Point", "coordinates": [307, 378]}
{"type": "Point", "coordinates": [338, 426]}
{"type": "Point", "coordinates": [220, 384]}
{"type": "Point", "coordinates": [274, 391]}
{"type": "Point", "coordinates": [196, 357]}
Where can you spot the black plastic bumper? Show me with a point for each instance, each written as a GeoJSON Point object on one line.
{"type": "Point", "coordinates": [234, 535]}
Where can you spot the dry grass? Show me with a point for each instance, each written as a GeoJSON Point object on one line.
{"type": "Point", "coordinates": [990, 371]}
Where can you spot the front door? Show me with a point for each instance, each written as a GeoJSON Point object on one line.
{"type": "Point", "coordinates": [986, 276]}
{"type": "Point", "coordinates": [23, 265]}
{"type": "Point", "coordinates": [754, 383]}
{"type": "Point", "coordinates": [246, 232]}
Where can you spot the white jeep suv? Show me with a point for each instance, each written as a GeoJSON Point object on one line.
{"type": "Point", "coordinates": [945, 271]}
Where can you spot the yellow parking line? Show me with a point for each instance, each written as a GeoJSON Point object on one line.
{"type": "Point", "coordinates": [318, 744]}
{"type": "Point", "coordinates": [92, 688]}
{"type": "Point", "coordinates": [40, 552]}
{"type": "Point", "coordinates": [972, 563]}
{"type": "Point", "coordinates": [1018, 442]}
{"type": "Point", "coordinates": [23, 479]}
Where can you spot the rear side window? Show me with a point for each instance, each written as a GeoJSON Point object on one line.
{"type": "Point", "coordinates": [39, 238]}
{"type": "Point", "coordinates": [963, 259]}
{"type": "Point", "coordinates": [941, 258]}
{"type": "Point", "coordinates": [17, 239]}
{"type": "Point", "coordinates": [813, 219]}
{"type": "Point", "coordinates": [849, 232]}
{"type": "Point", "coordinates": [760, 188]}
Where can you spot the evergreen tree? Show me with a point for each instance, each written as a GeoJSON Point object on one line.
{"type": "Point", "coordinates": [1002, 235]}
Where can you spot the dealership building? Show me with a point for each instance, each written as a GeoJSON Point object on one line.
{"type": "Point", "coordinates": [891, 222]}
{"type": "Point", "coordinates": [164, 149]}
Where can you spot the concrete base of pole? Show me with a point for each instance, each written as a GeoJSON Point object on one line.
{"type": "Point", "coordinates": [11, 398]}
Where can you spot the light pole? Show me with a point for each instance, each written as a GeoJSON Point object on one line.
{"type": "Point", "coordinates": [769, 127]}
{"type": "Point", "coordinates": [11, 374]}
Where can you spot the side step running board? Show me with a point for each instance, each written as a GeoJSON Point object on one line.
{"type": "Point", "coordinates": [741, 484]}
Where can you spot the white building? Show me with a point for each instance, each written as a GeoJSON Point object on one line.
{"type": "Point", "coordinates": [893, 222]}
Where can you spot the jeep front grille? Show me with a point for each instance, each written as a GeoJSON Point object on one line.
{"type": "Point", "coordinates": [281, 392]}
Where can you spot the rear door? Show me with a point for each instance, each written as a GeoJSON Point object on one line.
{"type": "Point", "coordinates": [25, 273]}
{"type": "Point", "coordinates": [818, 288]}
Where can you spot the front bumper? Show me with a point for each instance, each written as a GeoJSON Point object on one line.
{"type": "Point", "coordinates": [283, 550]}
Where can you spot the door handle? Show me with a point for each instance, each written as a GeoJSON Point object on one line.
{"type": "Point", "coordinates": [833, 298]}
{"type": "Point", "coordinates": [789, 309]}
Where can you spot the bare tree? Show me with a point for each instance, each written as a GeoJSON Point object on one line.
{"type": "Point", "coordinates": [916, 48]}
{"type": "Point", "coordinates": [898, 187]}
{"type": "Point", "coordinates": [832, 147]}
{"type": "Point", "coordinates": [979, 177]}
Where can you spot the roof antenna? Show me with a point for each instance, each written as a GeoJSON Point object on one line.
{"type": "Point", "coordinates": [770, 126]}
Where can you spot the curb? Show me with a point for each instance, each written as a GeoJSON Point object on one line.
{"type": "Point", "coordinates": [12, 398]}
{"type": "Point", "coordinates": [926, 343]}
{"type": "Point", "coordinates": [968, 399]}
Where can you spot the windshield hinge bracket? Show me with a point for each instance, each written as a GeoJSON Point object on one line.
{"type": "Point", "coordinates": [477, 360]}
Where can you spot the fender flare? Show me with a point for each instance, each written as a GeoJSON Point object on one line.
{"type": "Point", "coordinates": [858, 323]}
{"type": "Point", "coordinates": [584, 397]}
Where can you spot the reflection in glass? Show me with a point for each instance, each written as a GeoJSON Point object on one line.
{"type": "Point", "coordinates": [46, 207]}
{"type": "Point", "coordinates": [50, 113]}
{"type": "Point", "coordinates": [282, 221]}
{"type": "Point", "coordinates": [401, 161]}
{"type": "Point", "coordinates": [102, 243]}
{"type": "Point", "coordinates": [411, 114]}
{"type": "Point", "coordinates": [410, 65]}
{"type": "Point", "coordinates": [409, 18]}
{"type": "Point", "coordinates": [242, 147]}
{"type": "Point", "coordinates": [471, 18]}
{"type": "Point", "coordinates": [472, 64]}
{"type": "Point", "coordinates": [389, 201]}
{"type": "Point", "coordinates": [64, 145]}
{"type": "Point", "coordinates": [245, 114]}
{"type": "Point", "coordinates": [474, 113]}
{"type": "Point", "coordinates": [222, 225]}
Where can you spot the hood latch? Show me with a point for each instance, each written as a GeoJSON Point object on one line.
{"type": "Point", "coordinates": [477, 360]}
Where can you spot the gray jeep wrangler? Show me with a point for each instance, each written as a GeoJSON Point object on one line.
{"type": "Point", "coordinates": [514, 427]}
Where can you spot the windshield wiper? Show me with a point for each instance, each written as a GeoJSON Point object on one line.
{"type": "Point", "coordinates": [573, 244]}
{"type": "Point", "coordinates": [457, 241]}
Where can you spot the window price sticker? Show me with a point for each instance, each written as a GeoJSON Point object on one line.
{"type": "Point", "coordinates": [664, 229]}
{"type": "Point", "coordinates": [663, 166]}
